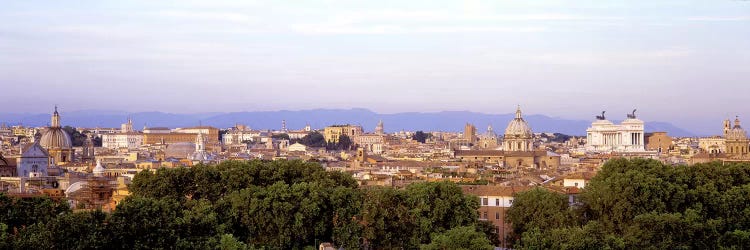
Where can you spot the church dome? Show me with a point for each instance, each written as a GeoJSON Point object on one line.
{"type": "Point", "coordinates": [55, 136]}
{"type": "Point", "coordinates": [99, 169]}
{"type": "Point", "coordinates": [737, 133]}
{"type": "Point", "coordinates": [518, 127]}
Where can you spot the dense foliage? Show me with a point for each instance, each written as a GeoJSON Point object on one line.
{"type": "Point", "coordinates": [249, 205]}
{"type": "Point", "coordinates": [641, 204]}
{"type": "Point", "coordinates": [421, 136]}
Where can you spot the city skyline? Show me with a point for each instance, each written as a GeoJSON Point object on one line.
{"type": "Point", "coordinates": [557, 58]}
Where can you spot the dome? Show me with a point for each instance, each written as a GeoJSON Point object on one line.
{"type": "Point", "coordinates": [737, 133]}
{"type": "Point", "coordinates": [518, 127]}
{"type": "Point", "coordinates": [490, 134]}
{"type": "Point", "coordinates": [55, 138]}
{"type": "Point", "coordinates": [99, 169]}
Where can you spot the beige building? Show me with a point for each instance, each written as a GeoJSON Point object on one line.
{"type": "Point", "coordinates": [659, 142]}
{"type": "Point", "coordinates": [371, 142]}
{"type": "Point", "coordinates": [713, 145]}
{"type": "Point", "coordinates": [332, 133]}
{"type": "Point", "coordinates": [470, 133]}
{"type": "Point", "coordinates": [488, 140]}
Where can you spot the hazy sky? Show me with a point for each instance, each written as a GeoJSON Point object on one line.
{"type": "Point", "coordinates": [686, 62]}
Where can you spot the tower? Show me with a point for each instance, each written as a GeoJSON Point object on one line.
{"type": "Point", "coordinates": [55, 122]}
{"type": "Point", "coordinates": [283, 125]}
{"type": "Point", "coordinates": [727, 127]}
{"type": "Point", "coordinates": [88, 149]}
{"type": "Point", "coordinates": [200, 143]}
{"type": "Point", "coordinates": [379, 128]}
{"type": "Point", "coordinates": [470, 133]}
{"type": "Point", "coordinates": [127, 127]}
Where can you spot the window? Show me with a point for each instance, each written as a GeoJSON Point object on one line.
{"type": "Point", "coordinates": [484, 215]}
{"type": "Point", "coordinates": [497, 215]}
{"type": "Point", "coordinates": [576, 184]}
{"type": "Point", "coordinates": [497, 202]}
{"type": "Point", "coordinates": [510, 201]}
{"type": "Point", "coordinates": [484, 201]}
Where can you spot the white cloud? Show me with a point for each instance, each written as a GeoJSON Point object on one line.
{"type": "Point", "coordinates": [206, 15]}
{"type": "Point", "coordinates": [719, 18]}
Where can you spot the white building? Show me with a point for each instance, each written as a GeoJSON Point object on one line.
{"type": "Point", "coordinates": [122, 140]}
{"type": "Point", "coordinates": [373, 143]}
{"type": "Point", "coordinates": [240, 136]}
{"type": "Point", "coordinates": [605, 136]}
{"type": "Point", "coordinates": [297, 147]}
{"type": "Point", "coordinates": [33, 162]}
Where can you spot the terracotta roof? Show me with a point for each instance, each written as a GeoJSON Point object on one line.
{"type": "Point", "coordinates": [493, 190]}
{"type": "Point", "coordinates": [479, 153]}
{"type": "Point", "coordinates": [580, 175]}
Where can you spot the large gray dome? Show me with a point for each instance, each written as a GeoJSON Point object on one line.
{"type": "Point", "coordinates": [518, 127]}
{"type": "Point", "coordinates": [55, 138]}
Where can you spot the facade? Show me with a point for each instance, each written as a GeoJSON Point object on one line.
{"type": "Point", "coordinates": [605, 136]}
{"type": "Point", "coordinates": [210, 133]}
{"type": "Point", "coordinates": [518, 135]}
{"type": "Point", "coordinates": [489, 139]}
{"type": "Point", "coordinates": [737, 143]}
{"type": "Point", "coordinates": [712, 145]}
{"type": "Point", "coordinates": [237, 136]}
{"type": "Point", "coordinates": [659, 142]}
{"type": "Point", "coordinates": [56, 141]}
{"type": "Point", "coordinates": [129, 140]}
{"type": "Point", "coordinates": [297, 147]}
{"type": "Point", "coordinates": [170, 138]}
{"type": "Point", "coordinates": [370, 142]}
{"type": "Point", "coordinates": [33, 162]}
{"type": "Point", "coordinates": [127, 127]}
{"type": "Point", "coordinates": [332, 133]}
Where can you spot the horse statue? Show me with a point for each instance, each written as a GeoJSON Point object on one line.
{"type": "Point", "coordinates": [601, 117]}
{"type": "Point", "coordinates": [632, 115]}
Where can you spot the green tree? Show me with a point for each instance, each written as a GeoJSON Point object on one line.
{"type": "Point", "coordinates": [439, 206]}
{"type": "Point", "coordinates": [145, 223]}
{"type": "Point", "coordinates": [313, 139]}
{"type": "Point", "coordinates": [283, 136]}
{"type": "Point", "coordinates": [538, 208]}
{"type": "Point", "coordinates": [345, 143]}
{"type": "Point", "coordinates": [459, 238]}
{"type": "Point", "coordinates": [421, 136]}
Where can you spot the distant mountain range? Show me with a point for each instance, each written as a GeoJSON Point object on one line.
{"type": "Point", "coordinates": [319, 118]}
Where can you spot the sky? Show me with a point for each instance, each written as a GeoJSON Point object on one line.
{"type": "Point", "coordinates": [684, 62]}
